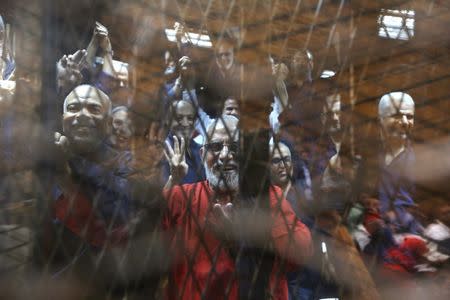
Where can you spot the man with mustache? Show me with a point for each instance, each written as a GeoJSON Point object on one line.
{"type": "Point", "coordinates": [98, 211]}
{"type": "Point", "coordinates": [91, 195]}
{"type": "Point", "coordinates": [207, 224]}
{"type": "Point", "coordinates": [396, 189]}
{"type": "Point", "coordinates": [90, 200]}
{"type": "Point", "coordinates": [182, 117]}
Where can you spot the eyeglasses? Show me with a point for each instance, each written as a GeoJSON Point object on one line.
{"type": "Point", "coordinates": [218, 146]}
{"type": "Point", "coordinates": [285, 160]}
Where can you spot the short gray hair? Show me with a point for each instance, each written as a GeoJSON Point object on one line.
{"type": "Point", "coordinates": [226, 121]}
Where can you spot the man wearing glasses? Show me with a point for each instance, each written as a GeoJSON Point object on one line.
{"type": "Point", "coordinates": [207, 224]}
{"type": "Point", "coordinates": [297, 191]}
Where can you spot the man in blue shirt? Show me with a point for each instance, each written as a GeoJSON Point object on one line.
{"type": "Point", "coordinates": [182, 117]}
{"type": "Point", "coordinates": [96, 66]}
{"type": "Point", "coordinates": [396, 188]}
{"type": "Point", "coordinates": [90, 177]}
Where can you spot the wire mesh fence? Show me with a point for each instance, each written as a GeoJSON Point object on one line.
{"type": "Point", "coordinates": [224, 149]}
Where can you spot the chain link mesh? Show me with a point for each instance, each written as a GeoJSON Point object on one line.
{"type": "Point", "coordinates": [115, 232]}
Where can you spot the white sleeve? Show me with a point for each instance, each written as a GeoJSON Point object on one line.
{"type": "Point", "coordinates": [203, 119]}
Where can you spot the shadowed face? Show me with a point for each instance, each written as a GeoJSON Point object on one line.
{"type": "Point", "coordinates": [331, 115]}
{"type": "Point", "coordinates": [225, 56]}
{"type": "Point", "coordinates": [221, 158]}
{"type": "Point", "coordinates": [281, 168]}
{"type": "Point", "coordinates": [122, 129]}
{"type": "Point", "coordinates": [301, 66]}
{"type": "Point", "coordinates": [86, 118]}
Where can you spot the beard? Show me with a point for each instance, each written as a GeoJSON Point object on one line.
{"type": "Point", "coordinates": [223, 181]}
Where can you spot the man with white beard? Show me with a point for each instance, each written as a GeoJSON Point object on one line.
{"type": "Point", "coordinates": [204, 219]}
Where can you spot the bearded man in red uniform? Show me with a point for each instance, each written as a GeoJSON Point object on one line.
{"type": "Point", "coordinates": [206, 223]}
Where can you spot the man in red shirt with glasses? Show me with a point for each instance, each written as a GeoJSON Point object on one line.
{"type": "Point", "coordinates": [209, 222]}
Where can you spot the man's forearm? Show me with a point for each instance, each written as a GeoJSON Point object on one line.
{"type": "Point", "coordinates": [169, 184]}
{"type": "Point", "coordinates": [296, 247]}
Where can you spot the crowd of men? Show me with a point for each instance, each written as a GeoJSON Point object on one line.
{"type": "Point", "coordinates": [324, 222]}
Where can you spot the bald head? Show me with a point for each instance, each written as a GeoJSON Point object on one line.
{"type": "Point", "coordinates": [182, 119]}
{"type": "Point", "coordinates": [393, 102]}
{"type": "Point", "coordinates": [86, 118]}
{"type": "Point", "coordinates": [396, 115]}
{"type": "Point", "coordinates": [88, 91]}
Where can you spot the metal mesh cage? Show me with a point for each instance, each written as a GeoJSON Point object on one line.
{"type": "Point", "coordinates": [223, 149]}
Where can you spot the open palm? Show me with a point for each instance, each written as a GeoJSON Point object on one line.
{"type": "Point", "coordinates": [177, 159]}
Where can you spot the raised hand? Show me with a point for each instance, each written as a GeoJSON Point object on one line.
{"type": "Point", "coordinates": [179, 31]}
{"type": "Point", "coordinates": [187, 72]}
{"type": "Point", "coordinates": [64, 177]}
{"type": "Point", "coordinates": [62, 144]}
{"type": "Point", "coordinates": [100, 37]}
{"type": "Point", "coordinates": [280, 71]}
{"type": "Point", "coordinates": [155, 143]}
{"type": "Point", "coordinates": [68, 69]}
{"type": "Point", "coordinates": [220, 221]}
{"type": "Point", "coordinates": [99, 41]}
{"type": "Point", "coordinates": [223, 212]}
{"type": "Point", "coordinates": [177, 160]}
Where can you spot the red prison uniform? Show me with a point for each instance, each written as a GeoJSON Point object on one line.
{"type": "Point", "coordinates": [194, 273]}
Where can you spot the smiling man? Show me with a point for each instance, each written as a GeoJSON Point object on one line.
{"type": "Point", "coordinates": [396, 116]}
{"type": "Point", "coordinates": [231, 107]}
{"type": "Point", "coordinates": [86, 114]}
{"type": "Point", "coordinates": [122, 128]}
{"type": "Point", "coordinates": [95, 206]}
{"type": "Point", "coordinates": [396, 189]}
{"type": "Point", "coordinates": [91, 191]}
{"type": "Point", "coordinates": [181, 124]}
{"type": "Point", "coordinates": [206, 221]}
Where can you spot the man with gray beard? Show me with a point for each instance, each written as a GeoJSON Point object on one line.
{"type": "Point", "coordinates": [205, 222]}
